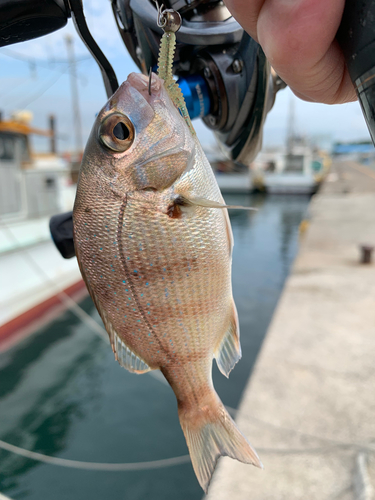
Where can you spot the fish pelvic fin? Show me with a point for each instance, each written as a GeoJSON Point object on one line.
{"type": "Point", "coordinates": [228, 352]}
{"type": "Point", "coordinates": [123, 354]}
{"type": "Point", "coordinates": [127, 358]}
{"type": "Point", "coordinates": [210, 433]}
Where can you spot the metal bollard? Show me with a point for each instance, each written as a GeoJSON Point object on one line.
{"type": "Point", "coordinates": [366, 254]}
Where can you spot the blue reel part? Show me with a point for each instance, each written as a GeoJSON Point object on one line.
{"type": "Point", "coordinates": [196, 95]}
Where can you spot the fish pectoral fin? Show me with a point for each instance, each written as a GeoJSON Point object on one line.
{"type": "Point", "coordinates": [204, 202]}
{"type": "Point", "coordinates": [123, 354]}
{"type": "Point", "coordinates": [228, 352]}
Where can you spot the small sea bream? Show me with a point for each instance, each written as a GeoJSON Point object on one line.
{"type": "Point", "coordinates": [154, 245]}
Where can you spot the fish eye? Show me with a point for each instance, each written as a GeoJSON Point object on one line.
{"type": "Point", "coordinates": [116, 132]}
{"type": "Point", "coordinates": [121, 131]}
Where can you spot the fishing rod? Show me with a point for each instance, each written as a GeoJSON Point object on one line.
{"type": "Point", "coordinates": [223, 73]}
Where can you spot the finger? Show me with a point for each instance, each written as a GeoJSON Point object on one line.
{"type": "Point", "coordinates": [298, 38]}
{"type": "Point", "coordinates": [246, 12]}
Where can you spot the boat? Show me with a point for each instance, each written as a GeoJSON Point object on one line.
{"type": "Point", "coordinates": [33, 187]}
{"type": "Point", "coordinates": [297, 169]}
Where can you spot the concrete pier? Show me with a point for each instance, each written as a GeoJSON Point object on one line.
{"type": "Point", "coordinates": [309, 407]}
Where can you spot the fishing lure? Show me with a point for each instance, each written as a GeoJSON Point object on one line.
{"type": "Point", "coordinates": [170, 22]}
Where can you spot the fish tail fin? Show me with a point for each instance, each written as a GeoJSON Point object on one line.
{"type": "Point", "coordinates": [210, 433]}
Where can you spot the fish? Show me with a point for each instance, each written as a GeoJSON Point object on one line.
{"type": "Point", "coordinates": [154, 245]}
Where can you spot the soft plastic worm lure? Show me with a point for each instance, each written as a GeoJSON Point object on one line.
{"type": "Point", "coordinates": [170, 21]}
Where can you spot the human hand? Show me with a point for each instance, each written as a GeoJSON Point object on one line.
{"type": "Point", "coordinates": [298, 38]}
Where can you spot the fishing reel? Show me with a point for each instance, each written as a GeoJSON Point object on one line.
{"type": "Point", "coordinates": [223, 73]}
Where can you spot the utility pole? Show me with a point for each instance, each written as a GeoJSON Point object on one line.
{"type": "Point", "coordinates": [291, 123]}
{"type": "Point", "coordinates": [75, 99]}
{"type": "Point", "coordinates": [52, 128]}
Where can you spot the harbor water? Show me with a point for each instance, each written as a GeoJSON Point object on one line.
{"type": "Point", "coordinates": [63, 395]}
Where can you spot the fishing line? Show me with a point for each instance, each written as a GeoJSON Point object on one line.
{"type": "Point", "coordinates": [101, 332]}
{"type": "Point", "coordinates": [77, 464]}
{"type": "Point", "coordinates": [159, 464]}
{"type": "Point", "coordinates": [26, 102]}
{"type": "Point", "coordinates": [154, 464]}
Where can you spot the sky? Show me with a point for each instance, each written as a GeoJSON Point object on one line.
{"type": "Point", "coordinates": [42, 86]}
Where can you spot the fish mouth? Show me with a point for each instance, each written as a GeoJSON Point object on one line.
{"type": "Point", "coordinates": [142, 82]}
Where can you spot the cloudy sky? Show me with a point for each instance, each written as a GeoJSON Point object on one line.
{"type": "Point", "coordinates": [40, 83]}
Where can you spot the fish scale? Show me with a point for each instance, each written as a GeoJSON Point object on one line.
{"type": "Point", "coordinates": [154, 245]}
{"type": "Point", "coordinates": [167, 310]}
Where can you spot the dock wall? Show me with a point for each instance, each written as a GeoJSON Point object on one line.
{"type": "Point", "coordinates": [309, 406]}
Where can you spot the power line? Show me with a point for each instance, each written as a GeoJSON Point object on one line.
{"type": "Point", "coordinates": [40, 62]}
{"type": "Point", "coordinates": [10, 88]}
{"type": "Point", "coordinates": [43, 90]}
{"type": "Point", "coordinates": [50, 83]}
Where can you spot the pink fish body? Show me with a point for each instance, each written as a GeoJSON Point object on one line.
{"type": "Point", "coordinates": [156, 258]}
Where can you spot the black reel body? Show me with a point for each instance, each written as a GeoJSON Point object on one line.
{"type": "Point", "coordinates": [222, 71]}
{"type": "Point", "coordinates": [23, 20]}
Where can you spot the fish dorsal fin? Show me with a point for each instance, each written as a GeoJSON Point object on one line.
{"type": "Point", "coordinates": [123, 354]}
{"type": "Point", "coordinates": [229, 350]}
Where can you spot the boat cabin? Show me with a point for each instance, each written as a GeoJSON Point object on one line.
{"type": "Point", "coordinates": [29, 182]}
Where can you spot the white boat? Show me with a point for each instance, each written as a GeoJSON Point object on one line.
{"type": "Point", "coordinates": [296, 170]}
{"type": "Point", "coordinates": [32, 272]}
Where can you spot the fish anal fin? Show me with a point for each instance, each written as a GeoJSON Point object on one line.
{"type": "Point", "coordinates": [210, 433]}
{"type": "Point", "coordinates": [229, 350]}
